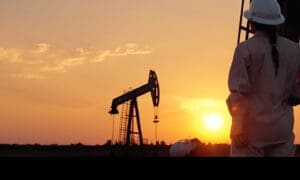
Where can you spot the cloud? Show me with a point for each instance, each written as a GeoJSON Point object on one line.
{"type": "Point", "coordinates": [86, 56]}
{"type": "Point", "coordinates": [82, 51]}
{"type": "Point", "coordinates": [102, 56]}
{"type": "Point", "coordinates": [10, 55]}
{"type": "Point", "coordinates": [27, 76]}
{"type": "Point", "coordinates": [61, 66]}
{"type": "Point", "coordinates": [118, 49]}
{"type": "Point", "coordinates": [130, 45]}
{"type": "Point", "coordinates": [41, 48]}
{"type": "Point", "coordinates": [35, 63]}
{"type": "Point", "coordinates": [53, 69]}
{"type": "Point", "coordinates": [129, 49]}
{"type": "Point", "coordinates": [73, 61]}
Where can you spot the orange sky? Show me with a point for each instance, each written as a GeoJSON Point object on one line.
{"type": "Point", "coordinates": [62, 63]}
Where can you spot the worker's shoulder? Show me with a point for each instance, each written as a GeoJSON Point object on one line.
{"type": "Point", "coordinates": [255, 40]}
{"type": "Point", "coordinates": [288, 43]}
{"type": "Point", "coordinates": [250, 44]}
{"type": "Point", "coordinates": [258, 42]}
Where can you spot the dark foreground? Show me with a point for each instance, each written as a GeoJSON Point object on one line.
{"type": "Point", "coordinates": [103, 151]}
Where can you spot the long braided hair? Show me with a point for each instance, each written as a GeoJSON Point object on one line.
{"type": "Point", "coordinates": [271, 30]}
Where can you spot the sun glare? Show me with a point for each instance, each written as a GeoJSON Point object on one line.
{"type": "Point", "coordinates": [212, 121]}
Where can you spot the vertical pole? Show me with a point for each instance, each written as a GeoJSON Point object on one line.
{"type": "Point", "coordinates": [247, 30]}
{"type": "Point", "coordinates": [113, 130]}
{"type": "Point", "coordinates": [129, 123]}
{"type": "Point", "coordinates": [248, 27]}
{"type": "Point", "coordinates": [155, 132]}
{"type": "Point", "coordinates": [240, 23]}
{"type": "Point", "coordinates": [138, 122]}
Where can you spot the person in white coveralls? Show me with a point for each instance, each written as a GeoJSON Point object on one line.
{"type": "Point", "coordinates": [263, 81]}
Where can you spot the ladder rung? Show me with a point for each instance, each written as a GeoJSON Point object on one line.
{"type": "Point", "coordinates": [244, 28]}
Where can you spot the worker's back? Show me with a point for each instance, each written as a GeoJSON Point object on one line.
{"type": "Point", "coordinates": [268, 108]}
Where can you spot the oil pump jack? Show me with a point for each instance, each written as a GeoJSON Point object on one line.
{"type": "Point", "coordinates": [151, 86]}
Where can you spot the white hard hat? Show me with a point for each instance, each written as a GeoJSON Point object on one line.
{"type": "Point", "coordinates": [265, 12]}
{"type": "Point", "coordinates": [181, 148]}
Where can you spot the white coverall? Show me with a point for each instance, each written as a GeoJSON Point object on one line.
{"type": "Point", "coordinates": [260, 98]}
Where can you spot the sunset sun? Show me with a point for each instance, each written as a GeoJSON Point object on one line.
{"type": "Point", "coordinates": [212, 122]}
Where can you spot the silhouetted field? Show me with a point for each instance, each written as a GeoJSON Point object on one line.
{"type": "Point", "coordinates": [79, 150]}
{"type": "Point", "coordinates": [103, 151]}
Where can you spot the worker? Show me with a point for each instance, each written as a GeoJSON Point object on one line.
{"type": "Point", "coordinates": [262, 77]}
